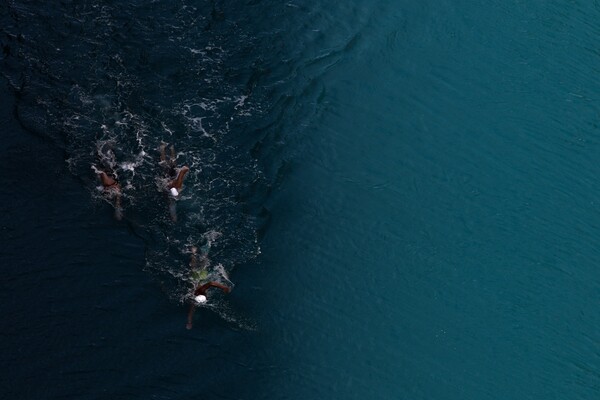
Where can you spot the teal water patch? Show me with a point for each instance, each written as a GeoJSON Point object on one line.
{"type": "Point", "coordinates": [444, 210]}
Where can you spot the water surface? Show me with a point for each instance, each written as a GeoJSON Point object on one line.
{"type": "Point", "coordinates": [405, 193]}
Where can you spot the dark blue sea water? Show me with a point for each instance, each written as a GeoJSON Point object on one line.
{"type": "Point", "coordinates": [403, 195]}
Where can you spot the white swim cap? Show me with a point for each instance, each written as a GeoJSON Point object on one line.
{"type": "Point", "coordinates": [174, 192]}
{"type": "Point", "coordinates": [200, 299]}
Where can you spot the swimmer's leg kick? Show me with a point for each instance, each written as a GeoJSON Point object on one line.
{"type": "Point", "coordinates": [168, 165]}
{"type": "Point", "coordinates": [163, 156]}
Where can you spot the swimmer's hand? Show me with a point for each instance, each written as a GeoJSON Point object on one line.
{"type": "Point", "coordinates": [188, 326]}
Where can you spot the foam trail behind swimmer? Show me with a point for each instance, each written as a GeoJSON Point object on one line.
{"type": "Point", "coordinates": [220, 269]}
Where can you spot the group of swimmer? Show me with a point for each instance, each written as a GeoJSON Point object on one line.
{"type": "Point", "coordinates": [200, 275]}
{"type": "Point", "coordinates": [175, 176]}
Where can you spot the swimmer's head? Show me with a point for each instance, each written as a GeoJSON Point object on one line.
{"type": "Point", "coordinates": [174, 192]}
{"type": "Point", "coordinates": [201, 299]}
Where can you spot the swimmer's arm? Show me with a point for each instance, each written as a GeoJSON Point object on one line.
{"type": "Point", "coordinates": [202, 289]}
{"type": "Point", "coordinates": [224, 288]}
{"type": "Point", "coordinates": [178, 182]}
{"type": "Point", "coordinates": [106, 180]}
{"type": "Point", "coordinates": [190, 317]}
